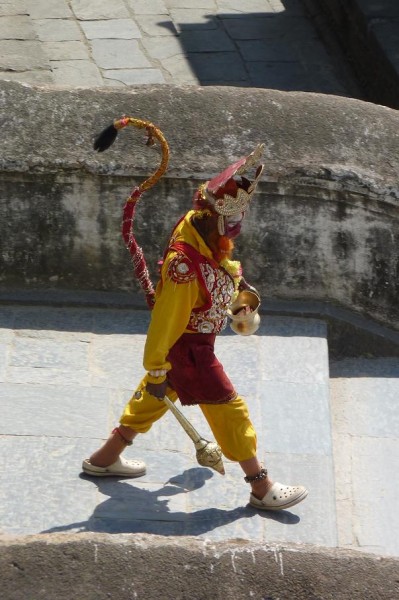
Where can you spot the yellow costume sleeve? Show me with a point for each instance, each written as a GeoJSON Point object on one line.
{"type": "Point", "coordinates": [169, 318]}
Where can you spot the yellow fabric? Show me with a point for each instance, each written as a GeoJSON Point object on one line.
{"type": "Point", "coordinates": [232, 428]}
{"type": "Point", "coordinates": [140, 413]}
{"type": "Point", "coordinates": [174, 302]}
{"type": "Point", "coordinates": [230, 423]}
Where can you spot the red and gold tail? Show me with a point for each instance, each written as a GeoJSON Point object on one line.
{"type": "Point", "coordinates": [104, 140]}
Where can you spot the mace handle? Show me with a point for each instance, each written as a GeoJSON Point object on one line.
{"type": "Point", "coordinates": [184, 422]}
{"type": "Point", "coordinates": [208, 453]}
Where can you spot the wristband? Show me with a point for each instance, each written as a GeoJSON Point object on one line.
{"type": "Point", "coordinates": [157, 373]}
{"type": "Point", "coordinates": [156, 378]}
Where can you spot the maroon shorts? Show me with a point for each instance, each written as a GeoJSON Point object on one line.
{"type": "Point", "coordinates": [196, 374]}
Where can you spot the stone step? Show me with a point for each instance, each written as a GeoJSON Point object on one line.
{"type": "Point", "coordinates": [365, 414]}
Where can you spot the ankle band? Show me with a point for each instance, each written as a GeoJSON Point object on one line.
{"type": "Point", "coordinates": [258, 477]}
{"type": "Point", "coordinates": [127, 442]}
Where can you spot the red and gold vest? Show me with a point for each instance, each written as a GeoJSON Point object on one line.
{"type": "Point", "coordinates": [216, 282]}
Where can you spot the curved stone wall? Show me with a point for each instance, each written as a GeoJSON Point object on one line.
{"type": "Point", "coordinates": [98, 566]}
{"type": "Point", "coordinates": [324, 225]}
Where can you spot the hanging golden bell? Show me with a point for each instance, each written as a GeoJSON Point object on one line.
{"type": "Point", "coordinates": [243, 312]}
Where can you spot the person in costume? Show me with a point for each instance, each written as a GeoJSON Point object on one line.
{"type": "Point", "coordinates": [199, 280]}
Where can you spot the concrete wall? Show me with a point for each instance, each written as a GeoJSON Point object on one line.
{"type": "Point", "coordinates": [324, 225]}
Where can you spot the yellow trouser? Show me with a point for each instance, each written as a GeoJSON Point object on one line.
{"type": "Point", "coordinates": [230, 423]}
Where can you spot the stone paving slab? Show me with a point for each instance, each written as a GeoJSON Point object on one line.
{"type": "Point", "coordinates": [18, 27]}
{"type": "Point", "coordinates": [48, 9]}
{"type": "Point", "coordinates": [13, 7]}
{"type": "Point", "coordinates": [22, 55]}
{"type": "Point", "coordinates": [111, 28]}
{"type": "Point", "coordinates": [66, 50]}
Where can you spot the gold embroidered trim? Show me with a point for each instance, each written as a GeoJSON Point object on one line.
{"type": "Point", "coordinates": [181, 270]}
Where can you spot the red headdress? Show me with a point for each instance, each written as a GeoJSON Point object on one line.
{"type": "Point", "coordinates": [226, 195]}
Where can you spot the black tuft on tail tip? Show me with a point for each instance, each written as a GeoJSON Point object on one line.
{"type": "Point", "coordinates": [105, 139]}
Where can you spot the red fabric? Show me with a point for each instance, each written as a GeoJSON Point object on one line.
{"type": "Point", "coordinates": [196, 375]}
{"type": "Point", "coordinates": [139, 263]}
{"type": "Point", "coordinates": [221, 179]}
{"type": "Point", "coordinates": [197, 259]}
{"type": "Point", "coordinates": [230, 188]}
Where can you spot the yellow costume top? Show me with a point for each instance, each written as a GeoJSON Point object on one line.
{"type": "Point", "coordinates": [175, 301]}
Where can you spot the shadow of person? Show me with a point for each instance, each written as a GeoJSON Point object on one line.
{"type": "Point", "coordinates": [132, 509]}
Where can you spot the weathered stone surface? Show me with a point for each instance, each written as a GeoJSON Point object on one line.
{"type": "Point", "coordinates": [39, 77]}
{"type": "Point", "coordinates": [216, 66]}
{"type": "Point", "coordinates": [22, 55]}
{"type": "Point", "coordinates": [66, 51]}
{"type": "Point", "coordinates": [98, 566]}
{"type": "Point", "coordinates": [339, 140]}
{"type": "Point", "coordinates": [170, 47]}
{"type": "Point", "coordinates": [207, 4]}
{"type": "Point", "coordinates": [251, 6]}
{"type": "Point", "coordinates": [133, 76]}
{"type": "Point", "coordinates": [324, 225]}
{"type": "Point", "coordinates": [48, 9]}
{"type": "Point", "coordinates": [88, 10]}
{"type": "Point", "coordinates": [110, 28]}
{"type": "Point", "coordinates": [143, 7]}
{"type": "Point", "coordinates": [186, 19]}
{"type": "Point", "coordinates": [16, 28]}
{"type": "Point", "coordinates": [70, 72]}
{"type": "Point", "coordinates": [57, 30]}
{"type": "Point", "coordinates": [118, 54]}
{"type": "Point", "coordinates": [156, 27]}
{"type": "Point", "coordinates": [14, 7]}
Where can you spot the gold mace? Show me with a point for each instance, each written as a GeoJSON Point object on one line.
{"type": "Point", "coordinates": [208, 453]}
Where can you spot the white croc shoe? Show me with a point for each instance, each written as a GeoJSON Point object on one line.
{"type": "Point", "coordinates": [120, 468]}
{"type": "Point", "coordinates": [280, 496]}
